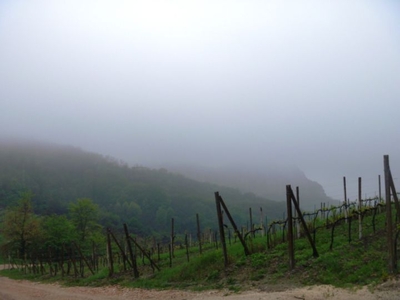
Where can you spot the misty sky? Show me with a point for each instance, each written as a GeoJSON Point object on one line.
{"type": "Point", "coordinates": [312, 83]}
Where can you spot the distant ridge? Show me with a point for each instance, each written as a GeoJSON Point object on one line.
{"type": "Point", "coordinates": [267, 181]}
{"type": "Point", "coordinates": [146, 199]}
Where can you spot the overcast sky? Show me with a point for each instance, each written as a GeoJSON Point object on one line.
{"type": "Point", "coordinates": [314, 83]}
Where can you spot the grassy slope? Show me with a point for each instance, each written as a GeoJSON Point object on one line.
{"type": "Point", "coordinates": [359, 262]}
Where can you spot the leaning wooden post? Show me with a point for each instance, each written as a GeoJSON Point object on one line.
{"type": "Point", "coordinates": [290, 227]}
{"type": "Point", "coordinates": [132, 256]}
{"type": "Point", "coordinates": [198, 232]}
{"type": "Point", "coordinates": [359, 209]}
{"type": "Point", "coordinates": [235, 228]}
{"type": "Point", "coordinates": [221, 228]}
{"type": "Point", "coordinates": [110, 256]}
{"type": "Point", "coordinates": [124, 258]}
{"type": "Point", "coordinates": [83, 257]}
{"type": "Point", "coordinates": [303, 222]}
{"type": "Point", "coordinates": [152, 263]}
{"type": "Point", "coordinates": [389, 223]}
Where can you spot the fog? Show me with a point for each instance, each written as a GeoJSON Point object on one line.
{"type": "Point", "coordinates": [309, 83]}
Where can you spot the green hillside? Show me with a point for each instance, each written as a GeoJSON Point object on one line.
{"type": "Point", "coordinates": [143, 198]}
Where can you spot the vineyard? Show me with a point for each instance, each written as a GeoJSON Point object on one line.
{"type": "Point", "coordinates": [355, 235]}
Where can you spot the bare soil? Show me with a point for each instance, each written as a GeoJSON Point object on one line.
{"type": "Point", "coordinates": [23, 290]}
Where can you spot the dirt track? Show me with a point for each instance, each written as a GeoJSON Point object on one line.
{"type": "Point", "coordinates": [23, 290]}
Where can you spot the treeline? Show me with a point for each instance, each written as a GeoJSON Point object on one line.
{"type": "Point", "coordinates": [145, 199]}
{"type": "Point", "coordinates": [26, 233]}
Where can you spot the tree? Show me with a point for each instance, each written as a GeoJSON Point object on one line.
{"type": "Point", "coordinates": [84, 215]}
{"type": "Point", "coordinates": [21, 227]}
{"type": "Point", "coordinates": [58, 230]}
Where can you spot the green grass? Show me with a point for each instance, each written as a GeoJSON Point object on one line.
{"type": "Point", "coordinates": [360, 262]}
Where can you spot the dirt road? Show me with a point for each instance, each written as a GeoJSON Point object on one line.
{"type": "Point", "coordinates": [24, 290]}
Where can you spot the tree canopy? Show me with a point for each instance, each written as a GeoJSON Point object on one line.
{"type": "Point", "coordinates": [21, 228]}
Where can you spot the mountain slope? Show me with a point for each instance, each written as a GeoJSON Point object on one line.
{"type": "Point", "coordinates": [145, 199]}
{"type": "Point", "coordinates": [265, 180]}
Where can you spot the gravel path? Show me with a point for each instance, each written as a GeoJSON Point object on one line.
{"type": "Point", "coordinates": [24, 290]}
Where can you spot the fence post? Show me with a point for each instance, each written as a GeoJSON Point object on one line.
{"type": "Point", "coordinates": [251, 222]}
{"type": "Point", "coordinates": [359, 209]}
{"type": "Point", "coordinates": [297, 222]}
{"type": "Point", "coordinates": [237, 232]}
{"type": "Point", "coordinates": [124, 258]}
{"type": "Point", "coordinates": [110, 256]}
{"type": "Point", "coordinates": [187, 246]}
{"type": "Point", "coordinates": [62, 260]}
{"type": "Point", "coordinates": [198, 232]}
{"type": "Point", "coordinates": [152, 263]}
{"type": "Point", "coordinates": [290, 227]}
{"type": "Point", "coordinates": [170, 255]}
{"type": "Point", "coordinates": [261, 221]}
{"type": "Point", "coordinates": [83, 257]}
{"type": "Point", "coordinates": [221, 228]}
{"type": "Point", "coordinates": [395, 198]}
{"type": "Point", "coordinates": [303, 222]}
{"type": "Point", "coordinates": [172, 237]}
{"type": "Point", "coordinates": [133, 256]}
{"type": "Point", "coordinates": [345, 199]}
{"type": "Point", "coordinates": [389, 223]}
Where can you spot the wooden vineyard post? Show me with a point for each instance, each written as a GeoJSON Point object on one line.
{"type": "Point", "coordinates": [359, 209]}
{"type": "Point", "coordinates": [303, 222]}
{"type": "Point", "coordinates": [397, 206]}
{"type": "Point", "coordinates": [132, 256]}
{"type": "Point", "coordinates": [187, 246]}
{"type": "Point", "coordinates": [152, 263]}
{"type": "Point", "coordinates": [261, 223]}
{"type": "Point", "coordinates": [72, 258]}
{"type": "Point", "coordinates": [110, 256]}
{"type": "Point", "coordinates": [221, 228]}
{"type": "Point", "coordinates": [172, 237]}
{"type": "Point", "coordinates": [124, 258]}
{"type": "Point", "coordinates": [62, 261]}
{"type": "Point", "coordinates": [345, 199]}
{"type": "Point", "coordinates": [290, 227]}
{"type": "Point", "coordinates": [94, 257]}
{"type": "Point", "coordinates": [170, 255]}
{"type": "Point", "coordinates": [251, 222]}
{"type": "Point", "coordinates": [83, 257]}
{"type": "Point", "coordinates": [395, 198]}
{"type": "Point", "coordinates": [235, 228]}
{"type": "Point", "coordinates": [297, 222]}
{"type": "Point", "coordinates": [50, 263]}
{"type": "Point", "coordinates": [389, 223]}
{"type": "Point", "coordinates": [198, 232]}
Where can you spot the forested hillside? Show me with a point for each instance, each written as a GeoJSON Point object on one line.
{"type": "Point", "coordinates": [143, 198]}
